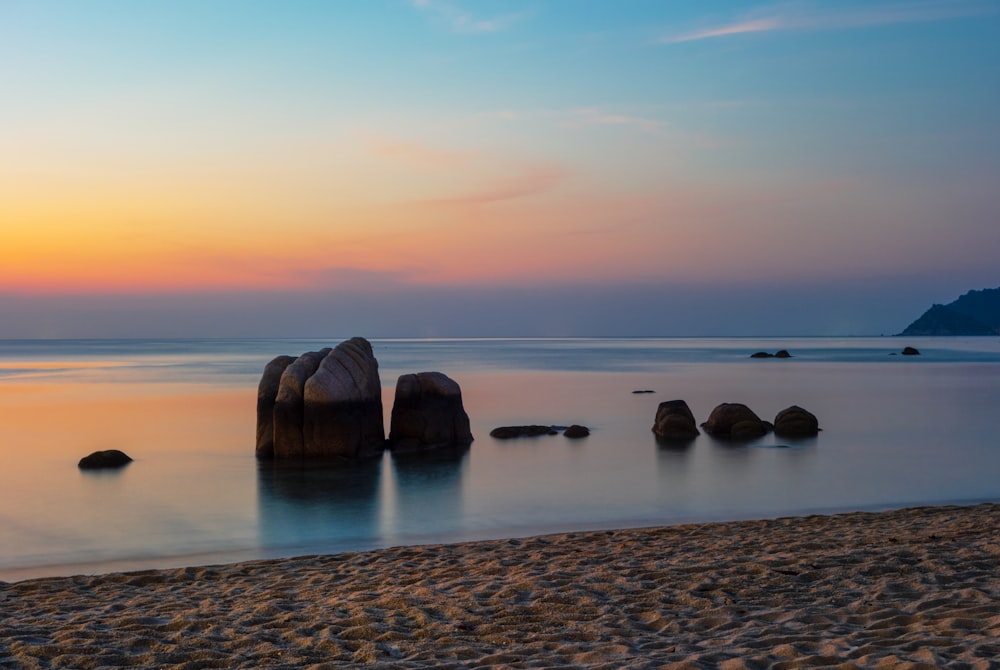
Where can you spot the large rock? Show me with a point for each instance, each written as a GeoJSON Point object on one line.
{"type": "Point", "coordinates": [267, 392]}
{"type": "Point", "coordinates": [109, 458]}
{"type": "Point", "coordinates": [795, 422]}
{"type": "Point", "coordinates": [427, 413]}
{"type": "Point", "coordinates": [289, 405]}
{"type": "Point", "coordinates": [325, 404]}
{"type": "Point", "coordinates": [736, 421]}
{"type": "Point", "coordinates": [675, 421]}
{"type": "Point", "coordinates": [343, 404]}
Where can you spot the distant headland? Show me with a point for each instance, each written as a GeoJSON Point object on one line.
{"type": "Point", "coordinates": [975, 313]}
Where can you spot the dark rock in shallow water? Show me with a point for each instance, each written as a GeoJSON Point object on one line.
{"type": "Point", "coordinates": [508, 432]}
{"type": "Point", "coordinates": [267, 393]}
{"type": "Point", "coordinates": [644, 391]}
{"type": "Point", "coordinates": [910, 351]}
{"type": "Point", "coordinates": [576, 431]}
{"type": "Point", "coordinates": [675, 421]}
{"type": "Point", "coordinates": [110, 458]}
{"type": "Point", "coordinates": [326, 404]}
{"type": "Point", "coordinates": [343, 404]}
{"type": "Point", "coordinates": [427, 413]}
{"type": "Point", "coordinates": [782, 353]}
{"type": "Point", "coordinates": [795, 422]}
{"type": "Point", "coordinates": [736, 421]}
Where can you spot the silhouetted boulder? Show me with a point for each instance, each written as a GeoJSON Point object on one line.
{"type": "Point", "coordinates": [735, 421]}
{"type": "Point", "coordinates": [910, 351]}
{"type": "Point", "coordinates": [675, 421]}
{"type": "Point", "coordinates": [795, 422]}
{"type": "Point", "coordinates": [110, 458]}
{"type": "Point", "coordinates": [783, 353]}
{"type": "Point", "coordinates": [576, 431]}
{"type": "Point", "coordinates": [509, 432]}
{"type": "Point", "coordinates": [267, 392]}
{"type": "Point", "coordinates": [427, 413]}
{"type": "Point", "coordinates": [761, 354]}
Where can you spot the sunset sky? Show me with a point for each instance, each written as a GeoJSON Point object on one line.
{"type": "Point", "coordinates": [511, 167]}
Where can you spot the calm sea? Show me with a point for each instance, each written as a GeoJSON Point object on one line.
{"type": "Point", "coordinates": [897, 431]}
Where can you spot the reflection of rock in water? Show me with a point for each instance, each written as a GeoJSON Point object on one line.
{"type": "Point", "coordinates": [309, 504]}
{"type": "Point", "coordinates": [428, 490]}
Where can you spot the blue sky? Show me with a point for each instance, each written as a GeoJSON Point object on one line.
{"type": "Point", "coordinates": [419, 167]}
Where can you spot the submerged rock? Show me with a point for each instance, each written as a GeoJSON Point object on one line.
{"type": "Point", "coordinates": [109, 458]}
{"type": "Point", "coordinates": [576, 431]}
{"type": "Point", "coordinates": [910, 351]}
{"type": "Point", "coordinates": [509, 432]}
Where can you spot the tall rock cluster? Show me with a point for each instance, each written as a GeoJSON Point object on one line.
{"type": "Point", "coordinates": [328, 404]}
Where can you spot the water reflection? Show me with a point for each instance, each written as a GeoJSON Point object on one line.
{"type": "Point", "coordinates": [428, 491]}
{"type": "Point", "coordinates": [303, 503]}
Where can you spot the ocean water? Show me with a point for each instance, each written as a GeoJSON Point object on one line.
{"type": "Point", "coordinates": [897, 431]}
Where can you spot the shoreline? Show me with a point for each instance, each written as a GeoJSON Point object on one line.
{"type": "Point", "coordinates": [914, 587]}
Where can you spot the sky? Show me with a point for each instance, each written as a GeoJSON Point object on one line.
{"type": "Point", "coordinates": [453, 168]}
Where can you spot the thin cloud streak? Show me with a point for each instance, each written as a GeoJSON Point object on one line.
{"type": "Point", "coordinates": [464, 22]}
{"type": "Point", "coordinates": [784, 20]}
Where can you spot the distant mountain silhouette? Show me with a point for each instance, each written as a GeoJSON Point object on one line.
{"type": "Point", "coordinates": [975, 313]}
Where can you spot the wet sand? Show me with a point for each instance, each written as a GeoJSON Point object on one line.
{"type": "Point", "coordinates": [916, 588]}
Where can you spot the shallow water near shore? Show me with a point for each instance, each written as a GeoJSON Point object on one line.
{"type": "Point", "coordinates": [896, 431]}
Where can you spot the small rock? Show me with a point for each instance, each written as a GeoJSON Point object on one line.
{"type": "Point", "coordinates": [910, 351]}
{"type": "Point", "coordinates": [644, 391]}
{"type": "Point", "coordinates": [782, 354]}
{"type": "Point", "coordinates": [109, 458]}
{"type": "Point", "coordinates": [762, 354]}
{"type": "Point", "coordinates": [576, 431]}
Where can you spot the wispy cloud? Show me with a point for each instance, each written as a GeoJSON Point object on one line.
{"type": "Point", "coordinates": [460, 20]}
{"type": "Point", "coordinates": [533, 181]}
{"type": "Point", "coordinates": [802, 16]}
{"type": "Point", "coordinates": [591, 116]}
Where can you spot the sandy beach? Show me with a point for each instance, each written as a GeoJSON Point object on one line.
{"type": "Point", "coordinates": [915, 588]}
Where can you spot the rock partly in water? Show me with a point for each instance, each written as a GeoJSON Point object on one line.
{"type": "Point", "coordinates": [327, 404]}
{"type": "Point", "coordinates": [735, 421]}
{"type": "Point", "coordinates": [343, 405]}
{"type": "Point", "coordinates": [795, 422]}
{"type": "Point", "coordinates": [509, 432]}
{"type": "Point", "coordinates": [576, 431]}
{"type": "Point", "coordinates": [427, 413]}
{"type": "Point", "coordinates": [910, 351]}
{"type": "Point", "coordinates": [109, 458]}
{"type": "Point", "coordinates": [782, 353]}
{"type": "Point", "coordinates": [289, 405]}
{"type": "Point", "coordinates": [639, 391]}
{"type": "Point", "coordinates": [675, 421]}
{"type": "Point", "coordinates": [267, 393]}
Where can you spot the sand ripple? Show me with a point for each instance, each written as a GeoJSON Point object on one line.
{"type": "Point", "coordinates": [915, 588]}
